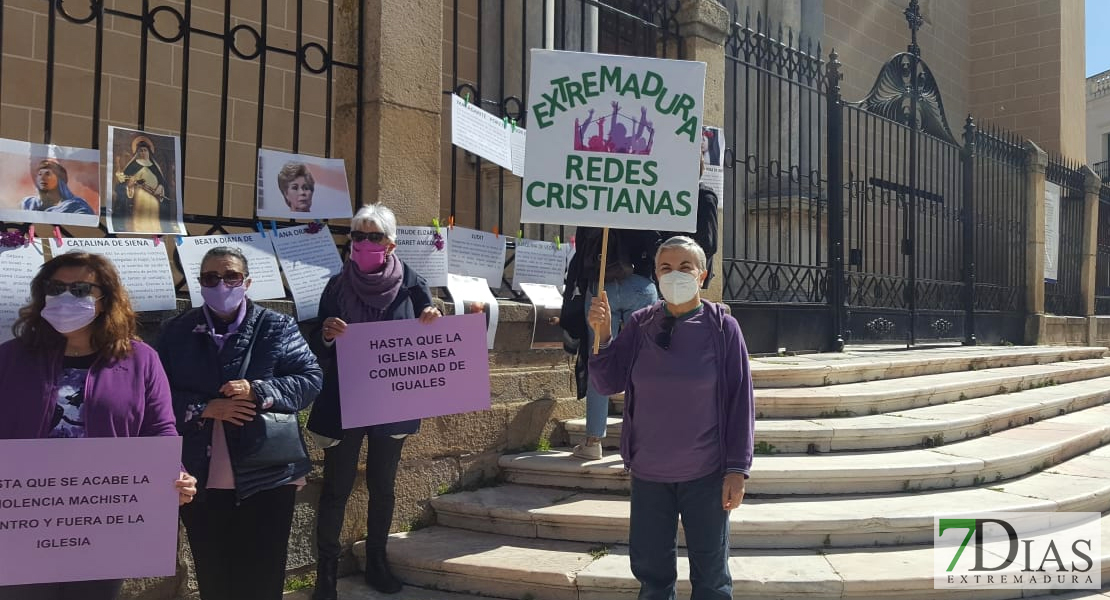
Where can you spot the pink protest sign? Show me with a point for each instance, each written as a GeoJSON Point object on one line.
{"type": "Point", "coordinates": [82, 509]}
{"type": "Point", "coordinates": [399, 370]}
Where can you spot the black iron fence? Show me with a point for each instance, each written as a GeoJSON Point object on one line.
{"type": "Point", "coordinates": [1102, 257]}
{"type": "Point", "coordinates": [864, 221]}
{"type": "Point", "coordinates": [1063, 296]}
{"type": "Point", "coordinates": [228, 79]}
{"type": "Point", "coordinates": [998, 192]}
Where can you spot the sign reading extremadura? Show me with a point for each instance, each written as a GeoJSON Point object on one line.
{"type": "Point", "coordinates": [613, 141]}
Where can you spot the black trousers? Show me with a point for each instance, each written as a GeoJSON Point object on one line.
{"type": "Point", "coordinates": [107, 589]}
{"type": "Point", "coordinates": [340, 468]}
{"type": "Point", "coordinates": [240, 550]}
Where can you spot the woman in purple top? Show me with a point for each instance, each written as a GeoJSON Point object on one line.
{"type": "Point", "coordinates": [688, 422]}
{"type": "Point", "coordinates": [77, 369]}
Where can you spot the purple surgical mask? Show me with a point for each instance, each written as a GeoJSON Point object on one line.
{"type": "Point", "coordinates": [223, 299]}
{"type": "Point", "coordinates": [67, 313]}
{"type": "Point", "coordinates": [368, 256]}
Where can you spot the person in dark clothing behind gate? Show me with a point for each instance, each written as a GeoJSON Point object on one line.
{"type": "Point", "coordinates": [229, 363]}
{"type": "Point", "coordinates": [629, 285]}
{"type": "Point", "coordinates": [374, 285]}
{"type": "Point", "coordinates": [688, 424]}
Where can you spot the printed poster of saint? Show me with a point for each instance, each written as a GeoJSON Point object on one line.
{"type": "Point", "coordinates": [49, 184]}
{"type": "Point", "coordinates": [713, 160]}
{"type": "Point", "coordinates": [613, 141]}
{"type": "Point", "coordinates": [144, 183]}
{"type": "Point", "coordinates": [297, 186]}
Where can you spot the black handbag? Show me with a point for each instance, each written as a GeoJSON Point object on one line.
{"type": "Point", "coordinates": [270, 438]}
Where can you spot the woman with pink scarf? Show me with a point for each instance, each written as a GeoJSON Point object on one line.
{"type": "Point", "coordinates": [374, 285]}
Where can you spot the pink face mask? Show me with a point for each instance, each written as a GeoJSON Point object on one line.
{"type": "Point", "coordinates": [368, 256]}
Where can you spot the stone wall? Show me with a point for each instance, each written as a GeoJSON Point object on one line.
{"type": "Point", "coordinates": [531, 392]}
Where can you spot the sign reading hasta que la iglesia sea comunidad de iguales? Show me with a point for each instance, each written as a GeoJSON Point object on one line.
{"type": "Point", "coordinates": [613, 141]}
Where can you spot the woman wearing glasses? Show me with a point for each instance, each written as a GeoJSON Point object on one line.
{"type": "Point", "coordinates": [236, 370]}
{"type": "Point", "coordinates": [374, 285]}
{"type": "Point", "coordinates": [688, 422]}
{"type": "Point", "coordinates": [76, 369]}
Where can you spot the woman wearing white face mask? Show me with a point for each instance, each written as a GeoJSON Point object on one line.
{"type": "Point", "coordinates": [688, 422]}
{"type": "Point", "coordinates": [76, 369]}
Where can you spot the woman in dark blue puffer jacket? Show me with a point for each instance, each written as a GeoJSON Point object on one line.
{"type": "Point", "coordinates": [228, 362]}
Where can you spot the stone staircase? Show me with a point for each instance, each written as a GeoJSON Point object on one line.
{"type": "Point", "coordinates": [856, 454]}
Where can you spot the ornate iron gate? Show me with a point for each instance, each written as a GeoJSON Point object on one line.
{"type": "Point", "coordinates": [903, 211]}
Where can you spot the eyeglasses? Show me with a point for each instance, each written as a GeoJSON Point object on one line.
{"type": "Point", "coordinates": [663, 338]}
{"type": "Point", "coordinates": [79, 289]}
{"type": "Point", "coordinates": [230, 278]}
{"type": "Point", "coordinates": [376, 237]}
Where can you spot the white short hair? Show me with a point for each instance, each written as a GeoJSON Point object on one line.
{"type": "Point", "coordinates": [378, 214]}
{"type": "Point", "coordinates": [685, 243]}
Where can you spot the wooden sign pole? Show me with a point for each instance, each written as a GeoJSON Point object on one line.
{"type": "Point", "coordinates": [601, 279]}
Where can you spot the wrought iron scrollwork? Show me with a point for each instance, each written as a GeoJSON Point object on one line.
{"type": "Point", "coordinates": [941, 327]}
{"type": "Point", "coordinates": [879, 327]}
{"type": "Point", "coordinates": [891, 96]}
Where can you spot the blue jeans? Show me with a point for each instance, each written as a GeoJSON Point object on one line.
{"type": "Point", "coordinates": [625, 297]}
{"type": "Point", "coordinates": [653, 537]}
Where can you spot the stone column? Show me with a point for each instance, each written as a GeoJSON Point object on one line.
{"type": "Point", "coordinates": [1036, 163]}
{"type": "Point", "coordinates": [704, 26]}
{"type": "Point", "coordinates": [1091, 185]}
{"type": "Point", "coordinates": [402, 103]}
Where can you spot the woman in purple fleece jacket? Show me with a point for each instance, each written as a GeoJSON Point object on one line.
{"type": "Point", "coordinates": [688, 423]}
{"type": "Point", "coordinates": [77, 369]}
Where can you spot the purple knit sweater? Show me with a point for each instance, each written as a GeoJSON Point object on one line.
{"type": "Point", "coordinates": [123, 398]}
{"type": "Point", "coordinates": [660, 409]}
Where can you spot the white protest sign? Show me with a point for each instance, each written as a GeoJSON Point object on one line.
{"type": "Point", "coordinates": [613, 141]}
{"type": "Point", "coordinates": [471, 295]}
{"type": "Point", "coordinates": [18, 266]}
{"type": "Point", "coordinates": [1051, 232]}
{"type": "Point", "coordinates": [477, 131]}
{"type": "Point", "coordinates": [518, 138]}
{"type": "Point", "coordinates": [418, 248]}
{"type": "Point", "coordinates": [144, 268]}
{"type": "Point", "coordinates": [309, 260]}
{"type": "Point", "coordinates": [546, 332]}
{"type": "Point", "coordinates": [539, 262]}
{"type": "Point", "coordinates": [476, 254]}
{"type": "Point", "coordinates": [263, 266]}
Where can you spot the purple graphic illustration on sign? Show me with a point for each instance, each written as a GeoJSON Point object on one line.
{"type": "Point", "coordinates": [621, 139]}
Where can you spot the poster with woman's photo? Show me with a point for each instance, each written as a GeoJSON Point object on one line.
{"type": "Point", "coordinates": [49, 184]}
{"type": "Point", "coordinates": [144, 183]}
{"type": "Point", "coordinates": [471, 295]}
{"type": "Point", "coordinates": [713, 158]}
{"type": "Point", "coordinates": [296, 186]}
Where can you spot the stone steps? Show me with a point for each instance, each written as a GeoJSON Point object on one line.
{"type": "Point", "coordinates": [926, 426]}
{"type": "Point", "coordinates": [949, 430]}
{"type": "Point", "coordinates": [879, 397]}
{"type": "Point", "coordinates": [853, 366]}
{"type": "Point", "coordinates": [997, 457]}
{"type": "Point", "coordinates": [512, 567]}
{"type": "Point", "coordinates": [1079, 484]}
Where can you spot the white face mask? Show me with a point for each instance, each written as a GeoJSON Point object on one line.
{"type": "Point", "coordinates": [678, 287]}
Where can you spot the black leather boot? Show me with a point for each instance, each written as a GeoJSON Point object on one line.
{"type": "Point", "coordinates": [378, 575]}
{"type": "Point", "coordinates": [327, 572]}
